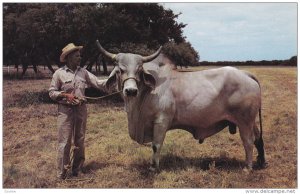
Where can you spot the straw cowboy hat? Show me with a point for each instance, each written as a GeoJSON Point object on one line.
{"type": "Point", "coordinates": [67, 50]}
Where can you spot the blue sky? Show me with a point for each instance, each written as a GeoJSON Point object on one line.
{"type": "Point", "coordinates": [239, 31]}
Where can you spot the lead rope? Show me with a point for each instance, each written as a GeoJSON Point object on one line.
{"type": "Point", "coordinates": [101, 97]}
{"type": "Point", "coordinates": [68, 166]}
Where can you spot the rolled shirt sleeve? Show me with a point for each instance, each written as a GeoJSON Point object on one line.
{"type": "Point", "coordinates": [54, 89]}
{"type": "Point", "coordinates": [95, 82]}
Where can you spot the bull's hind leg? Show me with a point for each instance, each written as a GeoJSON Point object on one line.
{"type": "Point", "coordinates": [259, 144]}
{"type": "Point", "coordinates": [247, 136]}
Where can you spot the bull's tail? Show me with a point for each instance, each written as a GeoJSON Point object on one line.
{"type": "Point", "coordinates": [260, 124]}
{"type": "Point", "coordinates": [260, 117]}
{"type": "Point", "coordinates": [259, 143]}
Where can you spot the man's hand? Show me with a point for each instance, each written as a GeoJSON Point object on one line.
{"type": "Point", "coordinates": [72, 99]}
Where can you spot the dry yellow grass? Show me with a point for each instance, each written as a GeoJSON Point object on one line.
{"type": "Point", "coordinates": [113, 160]}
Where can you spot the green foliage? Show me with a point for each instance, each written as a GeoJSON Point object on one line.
{"type": "Point", "coordinates": [290, 62]}
{"type": "Point", "coordinates": [35, 33]}
{"type": "Point", "coordinates": [182, 54]}
{"type": "Point", "coordinates": [129, 47]}
{"type": "Point", "coordinates": [293, 61]}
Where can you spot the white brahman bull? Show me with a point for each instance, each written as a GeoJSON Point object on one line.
{"type": "Point", "coordinates": [158, 98]}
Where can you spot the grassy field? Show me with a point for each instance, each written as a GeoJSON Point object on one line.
{"type": "Point", "coordinates": [113, 160]}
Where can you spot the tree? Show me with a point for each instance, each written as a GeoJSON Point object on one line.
{"type": "Point", "coordinates": [293, 61]}
{"type": "Point", "coordinates": [25, 34]}
{"type": "Point", "coordinates": [152, 23]}
{"type": "Point", "coordinates": [181, 54]}
{"type": "Point", "coordinates": [35, 33]}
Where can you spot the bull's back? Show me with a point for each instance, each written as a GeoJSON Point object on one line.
{"type": "Point", "coordinates": [205, 97]}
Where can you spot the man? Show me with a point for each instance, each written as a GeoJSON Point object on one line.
{"type": "Point", "coordinates": [67, 88]}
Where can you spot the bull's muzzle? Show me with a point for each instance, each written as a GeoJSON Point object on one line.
{"type": "Point", "coordinates": [131, 92]}
{"type": "Point", "coordinates": [130, 87]}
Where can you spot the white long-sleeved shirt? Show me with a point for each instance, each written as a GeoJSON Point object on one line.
{"type": "Point", "coordinates": [65, 80]}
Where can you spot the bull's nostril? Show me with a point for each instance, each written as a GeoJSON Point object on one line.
{"type": "Point", "coordinates": [134, 92]}
{"type": "Point", "coordinates": [131, 92]}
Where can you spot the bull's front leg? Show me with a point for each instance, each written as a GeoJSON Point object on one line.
{"type": "Point", "coordinates": [159, 133]}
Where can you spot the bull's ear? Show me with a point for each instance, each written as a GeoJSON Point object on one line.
{"type": "Point", "coordinates": [148, 79]}
{"type": "Point", "coordinates": [112, 80]}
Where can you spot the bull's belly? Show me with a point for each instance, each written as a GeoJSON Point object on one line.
{"type": "Point", "coordinates": [203, 124]}
{"type": "Point", "coordinates": [200, 132]}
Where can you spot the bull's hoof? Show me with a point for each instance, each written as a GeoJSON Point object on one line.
{"type": "Point", "coordinates": [261, 165]}
{"type": "Point", "coordinates": [261, 162]}
{"type": "Point", "coordinates": [153, 169]}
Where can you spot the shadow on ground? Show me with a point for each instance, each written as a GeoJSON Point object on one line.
{"type": "Point", "coordinates": [172, 162]}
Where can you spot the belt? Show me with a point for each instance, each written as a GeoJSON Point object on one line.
{"type": "Point", "coordinates": [80, 103]}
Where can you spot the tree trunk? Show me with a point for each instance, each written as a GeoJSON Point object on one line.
{"type": "Point", "coordinates": [47, 61]}
{"type": "Point", "coordinates": [35, 68]}
{"type": "Point", "coordinates": [24, 67]}
{"type": "Point", "coordinates": [98, 69]}
{"type": "Point", "coordinates": [104, 67]}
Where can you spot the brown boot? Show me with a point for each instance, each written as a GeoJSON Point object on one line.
{"type": "Point", "coordinates": [62, 175]}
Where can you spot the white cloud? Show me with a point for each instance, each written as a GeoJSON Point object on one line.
{"type": "Point", "coordinates": [240, 31]}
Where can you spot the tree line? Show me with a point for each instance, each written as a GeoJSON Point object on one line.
{"type": "Point", "coordinates": [35, 33]}
{"type": "Point", "coordinates": [289, 62]}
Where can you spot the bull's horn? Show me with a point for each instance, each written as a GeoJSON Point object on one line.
{"type": "Point", "coordinates": [151, 57]}
{"type": "Point", "coordinates": [106, 53]}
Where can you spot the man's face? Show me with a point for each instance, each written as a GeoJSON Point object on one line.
{"type": "Point", "coordinates": [74, 59]}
